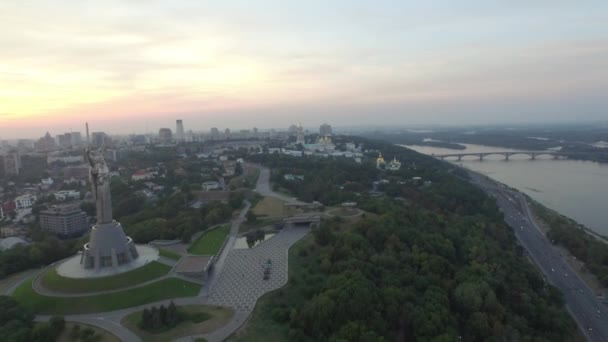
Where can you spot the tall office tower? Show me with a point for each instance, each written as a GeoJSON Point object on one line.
{"type": "Point", "coordinates": [165, 135]}
{"type": "Point", "coordinates": [325, 130]}
{"type": "Point", "coordinates": [179, 130]}
{"type": "Point", "coordinates": [100, 139]}
{"type": "Point", "coordinates": [88, 136]}
{"type": "Point", "coordinates": [255, 132]}
{"type": "Point", "coordinates": [215, 133]}
{"type": "Point", "coordinates": [65, 140]}
{"type": "Point", "coordinates": [227, 132]}
{"type": "Point", "coordinates": [12, 163]}
{"type": "Point", "coordinates": [76, 139]}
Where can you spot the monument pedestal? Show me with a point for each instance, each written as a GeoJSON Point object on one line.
{"type": "Point", "coordinates": [108, 246]}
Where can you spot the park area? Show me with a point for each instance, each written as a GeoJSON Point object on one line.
{"type": "Point", "coordinates": [51, 280]}
{"type": "Point", "coordinates": [210, 242]}
{"type": "Point", "coordinates": [194, 320]}
{"type": "Point", "coordinates": [85, 332]}
{"type": "Point", "coordinates": [162, 289]}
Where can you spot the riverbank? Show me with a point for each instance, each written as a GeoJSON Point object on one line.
{"type": "Point", "coordinates": [579, 245]}
{"type": "Point", "coordinates": [576, 189]}
{"type": "Point", "coordinates": [585, 250]}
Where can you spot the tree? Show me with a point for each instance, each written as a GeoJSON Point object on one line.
{"type": "Point", "coordinates": [57, 324]}
{"type": "Point", "coordinates": [146, 319]}
{"type": "Point", "coordinates": [42, 332]}
{"type": "Point", "coordinates": [87, 334]}
{"type": "Point", "coordinates": [162, 312]}
{"type": "Point", "coordinates": [75, 333]}
{"type": "Point", "coordinates": [172, 315]}
{"type": "Point", "coordinates": [251, 217]}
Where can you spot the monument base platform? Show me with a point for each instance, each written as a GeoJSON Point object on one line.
{"type": "Point", "coordinates": [72, 268]}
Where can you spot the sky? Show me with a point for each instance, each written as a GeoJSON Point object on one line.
{"type": "Point", "coordinates": [134, 66]}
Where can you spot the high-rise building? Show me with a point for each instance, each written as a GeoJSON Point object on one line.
{"type": "Point", "coordinates": [64, 220]}
{"type": "Point", "coordinates": [165, 135]}
{"type": "Point", "coordinates": [12, 163]}
{"type": "Point", "coordinates": [45, 143]}
{"type": "Point", "coordinates": [76, 139]}
{"type": "Point", "coordinates": [65, 140]}
{"type": "Point", "coordinates": [100, 139]}
{"type": "Point", "coordinates": [215, 133]}
{"type": "Point", "coordinates": [325, 130]}
{"type": "Point", "coordinates": [179, 131]}
{"type": "Point", "coordinates": [227, 132]}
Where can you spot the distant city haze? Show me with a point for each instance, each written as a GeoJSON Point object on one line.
{"type": "Point", "coordinates": [135, 66]}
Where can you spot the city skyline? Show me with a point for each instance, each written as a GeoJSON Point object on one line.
{"type": "Point", "coordinates": [130, 67]}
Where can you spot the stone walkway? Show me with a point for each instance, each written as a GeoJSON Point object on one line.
{"type": "Point", "coordinates": [241, 282]}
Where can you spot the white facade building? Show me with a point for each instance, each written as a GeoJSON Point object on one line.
{"type": "Point", "coordinates": [24, 202]}
{"type": "Point", "coordinates": [66, 194]}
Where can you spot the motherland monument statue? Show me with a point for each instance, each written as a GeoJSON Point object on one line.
{"type": "Point", "coordinates": [108, 245]}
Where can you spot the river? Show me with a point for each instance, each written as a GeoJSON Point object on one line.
{"type": "Point", "coordinates": [577, 189]}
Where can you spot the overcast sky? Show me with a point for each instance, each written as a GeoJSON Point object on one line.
{"type": "Point", "coordinates": [135, 66]}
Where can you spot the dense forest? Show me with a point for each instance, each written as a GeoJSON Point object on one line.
{"type": "Point", "coordinates": [426, 263]}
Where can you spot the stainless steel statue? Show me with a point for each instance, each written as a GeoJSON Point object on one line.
{"type": "Point", "coordinates": [100, 182]}
{"type": "Point", "coordinates": [108, 245]}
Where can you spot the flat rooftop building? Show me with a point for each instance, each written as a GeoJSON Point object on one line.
{"type": "Point", "coordinates": [64, 220]}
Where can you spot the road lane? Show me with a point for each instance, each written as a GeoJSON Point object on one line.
{"type": "Point", "coordinates": [584, 306]}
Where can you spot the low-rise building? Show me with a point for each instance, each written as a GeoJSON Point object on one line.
{"type": "Point", "coordinates": [64, 220]}
{"type": "Point", "coordinates": [24, 202]}
{"type": "Point", "coordinates": [292, 177]}
{"type": "Point", "coordinates": [67, 194]}
{"type": "Point", "coordinates": [141, 175]}
{"type": "Point", "coordinates": [65, 159]}
{"type": "Point", "coordinates": [11, 242]}
{"type": "Point", "coordinates": [211, 185]}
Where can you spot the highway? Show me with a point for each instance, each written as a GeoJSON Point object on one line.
{"type": "Point", "coordinates": [587, 309]}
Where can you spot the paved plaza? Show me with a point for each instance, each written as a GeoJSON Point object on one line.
{"type": "Point", "coordinates": [241, 282]}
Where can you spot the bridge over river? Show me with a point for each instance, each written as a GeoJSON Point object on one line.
{"type": "Point", "coordinates": [505, 154]}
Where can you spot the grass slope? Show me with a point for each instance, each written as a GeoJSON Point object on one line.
{"type": "Point", "coordinates": [55, 282]}
{"type": "Point", "coordinates": [210, 242]}
{"type": "Point", "coordinates": [198, 319]}
{"type": "Point", "coordinates": [270, 206]}
{"type": "Point", "coordinates": [163, 289]}
{"type": "Point", "coordinates": [169, 254]}
{"type": "Point", "coordinates": [101, 334]}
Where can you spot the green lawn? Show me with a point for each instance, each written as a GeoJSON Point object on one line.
{"type": "Point", "coordinates": [53, 281]}
{"type": "Point", "coordinates": [163, 289]}
{"type": "Point", "coordinates": [210, 242]}
{"type": "Point", "coordinates": [169, 254]}
{"type": "Point", "coordinates": [101, 334]}
{"type": "Point", "coordinates": [197, 319]}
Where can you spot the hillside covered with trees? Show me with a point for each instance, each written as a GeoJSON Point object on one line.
{"type": "Point", "coordinates": [430, 262]}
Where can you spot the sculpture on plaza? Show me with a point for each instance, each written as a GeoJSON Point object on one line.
{"type": "Point", "coordinates": [108, 245]}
